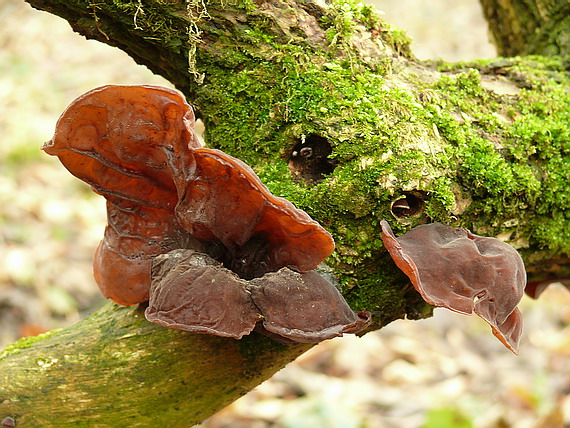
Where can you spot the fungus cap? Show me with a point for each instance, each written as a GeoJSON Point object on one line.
{"type": "Point", "coordinates": [135, 145]}
{"type": "Point", "coordinates": [192, 292]}
{"type": "Point", "coordinates": [304, 307]}
{"type": "Point", "coordinates": [464, 272]}
{"type": "Point", "coordinates": [224, 200]}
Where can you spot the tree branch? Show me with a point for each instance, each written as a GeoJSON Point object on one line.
{"type": "Point", "coordinates": [481, 145]}
{"type": "Point", "coordinates": [116, 368]}
{"type": "Point", "coordinates": [529, 27]}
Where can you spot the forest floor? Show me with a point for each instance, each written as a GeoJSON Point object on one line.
{"type": "Point", "coordinates": [446, 371]}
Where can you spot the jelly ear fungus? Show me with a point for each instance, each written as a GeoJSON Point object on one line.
{"type": "Point", "coordinates": [464, 272]}
{"type": "Point", "coordinates": [119, 140]}
{"type": "Point", "coordinates": [193, 229]}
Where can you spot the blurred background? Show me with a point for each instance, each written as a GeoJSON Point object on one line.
{"type": "Point", "coordinates": [447, 371]}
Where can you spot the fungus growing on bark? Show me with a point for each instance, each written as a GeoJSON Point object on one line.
{"type": "Point", "coordinates": [464, 272]}
{"type": "Point", "coordinates": [304, 307]}
{"type": "Point", "coordinates": [223, 200]}
{"type": "Point", "coordinates": [168, 197]}
{"type": "Point", "coordinates": [191, 291]}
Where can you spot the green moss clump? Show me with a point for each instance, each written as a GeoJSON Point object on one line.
{"type": "Point", "coordinates": [515, 161]}
{"type": "Point", "coordinates": [266, 88]}
{"type": "Point", "coordinates": [344, 17]}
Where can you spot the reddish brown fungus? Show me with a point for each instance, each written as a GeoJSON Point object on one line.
{"type": "Point", "coordinates": [304, 307]}
{"type": "Point", "coordinates": [466, 273]}
{"type": "Point", "coordinates": [119, 139]}
{"type": "Point", "coordinates": [224, 200]}
{"type": "Point", "coordinates": [135, 145]}
{"type": "Point", "coordinates": [192, 292]}
{"type": "Point", "coordinates": [168, 200]}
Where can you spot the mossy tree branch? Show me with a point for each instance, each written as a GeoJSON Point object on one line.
{"type": "Point", "coordinates": [116, 369]}
{"type": "Point", "coordinates": [540, 27]}
{"type": "Point", "coordinates": [482, 145]}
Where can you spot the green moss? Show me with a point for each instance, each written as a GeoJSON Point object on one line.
{"type": "Point", "coordinates": [344, 109]}
{"type": "Point", "coordinates": [515, 161]}
{"type": "Point", "coordinates": [399, 40]}
{"type": "Point", "coordinates": [442, 200]}
{"type": "Point", "coordinates": [345, 16]}
{"type": "Point", "coordinates": [263, 91]}
{"type": "Point", "coordinates": [24, 343]}
{"type": "Point", "coordinates": [154, 20]}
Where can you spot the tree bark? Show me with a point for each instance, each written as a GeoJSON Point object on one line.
{"type": "Point", "coordinates": [481, 145]}
{"type": "Point", "coordinates": [525, 27]}
{"type": "Point", "coordinates": [116, 369]}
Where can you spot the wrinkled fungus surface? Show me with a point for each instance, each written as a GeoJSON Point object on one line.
{"type": "Point", "coordinates": [193, 292]}
{"type": "Point", "coordinates": [304, 307]}
{"type": "Point", "coordinates": [464, 272]}
{"type": "Point", "coordinates": [223, 200]}
{"type": "Point", "coordinates": [119, 139]}
{"type": "Point", "coordinates": [136, 146]}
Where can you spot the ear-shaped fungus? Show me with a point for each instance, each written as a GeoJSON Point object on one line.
{"type": "Point", "coordinates": [304, 307]}
{"type": "Point", "coordinates": [118, 140]}
{"type": "Point", "coordinates": [135, 145]}
{"type": "Point", "coordinates": [190, 291]}
{"type": "Point", "coordinates": [466, 273]}
{"type": "Point", "coordinates": [224, 200]}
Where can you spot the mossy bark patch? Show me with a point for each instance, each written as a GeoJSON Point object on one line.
{"type": "Point", "coordinates": [115, 367]}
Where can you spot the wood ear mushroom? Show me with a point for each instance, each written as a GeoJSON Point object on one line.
{"type": "Point", "coordinates": [118, 139]}
{"type": "Point", "coordinates": [172, 204]}
{"type": "Point", "coordinates": [464, 272]}
{"type": "Point", "coordinates": [193, 292]}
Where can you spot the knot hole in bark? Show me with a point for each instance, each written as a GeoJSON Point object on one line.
{"type": "Point", "coordinates": [309, 160]}
{"type": "Point", "coordinates": [411, 204]}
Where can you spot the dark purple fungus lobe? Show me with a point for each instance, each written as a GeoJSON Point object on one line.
{"type": "Point", "coordinates": [464, 272]}
{"type": "Point", "coordinates": [190, 291]}
{"type": "Point", "coordinates": [304, 307]}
